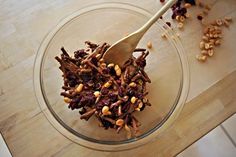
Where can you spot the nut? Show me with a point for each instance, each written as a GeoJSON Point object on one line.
{"type": "Point", "coordinates": [202, 45]}
{"type": "Point", "coordinates": [187, 5]}
{"type": "Point", "coordinates": [149, 45]}
{"type": "Point", "coordinates": [110, 65]}
{"type": "Point", "coordinates": [205, 38]}
{"type": "Point", "coordinates": [105, 110]}
{"type": "Point", "coordinates": [118, 70]}
{"type": "Point", "coordinates": [67, 100]}
{"type": "Point", "coordinates": [207, 46]}
{"type": "Point", "coordinates": [204, 52]}
{"type": "Point", "coordinates": [219, 22]}
{"type": "Point", "coordinates": [137, 109]}
{"type": "Point", "coordinates": [210, 52]}
{"type": "Point", "coordinates": [201, 58]}
{"type": "Point", "coordinates": [181, 18]}
{"type": "Point", "coordinates": [103, 65]}
{"type": "Point", "coordinates": [228, 18]}
{"type": "Point", "coordinates": [96, 94]}
{"type": "Point", "coordinates": [132, 84]}
{"type": "Point", "coordinates": [140, 105]}
{"type": "Point", "coordinates": [180, 25]}
{"type": "Point", "coordinates": [107, 84]}
{"type": "Point", "coordinates": [226, 23]}
{"type": "Point", "coordinates": [79, 88]}
{"type": "Point", "coordinates": [163, 35]}
{"type": "Point", "coordinates": [133, 100]}
{"type": "Point", "coordinates": [187, 15]}
{"type": "Point", "coordinates": [177, 17]}
{"type": "Point", "coordinates": [128, 131]}
{"type": "Point", "coordinates": [217, 42]}
{"type": "Point", "coordinates": [119, 122]}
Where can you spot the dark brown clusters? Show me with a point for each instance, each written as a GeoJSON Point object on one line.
{"type": "Point", "coordinates": [180, 8]}
{"type": "Point", "coordinates": [107, 91]}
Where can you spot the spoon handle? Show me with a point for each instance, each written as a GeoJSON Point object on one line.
{"type": "Point", "coordinates": [150, 22]}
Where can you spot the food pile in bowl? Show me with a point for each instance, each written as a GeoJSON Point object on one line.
{"type": "Point", "coordinates": [107, 91]}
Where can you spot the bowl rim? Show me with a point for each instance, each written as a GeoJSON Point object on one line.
{"type": "Point", "coordinates": [107, 146]}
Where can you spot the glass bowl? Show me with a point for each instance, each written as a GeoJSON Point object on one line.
{"type": "Point", "coordinates": [166, 65]}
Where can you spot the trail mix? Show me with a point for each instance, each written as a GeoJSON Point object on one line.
{"type": "Point", "coordinates": [107, 91]}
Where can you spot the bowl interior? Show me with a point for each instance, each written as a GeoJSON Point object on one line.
{"type": "Point", "coordinates": [108, 24]}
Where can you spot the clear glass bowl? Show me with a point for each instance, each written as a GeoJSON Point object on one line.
{"type": "Point", "coordinates": [166, 66]}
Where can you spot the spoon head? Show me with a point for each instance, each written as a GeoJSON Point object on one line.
{"type": "Point", "coordinates": [121, 51]}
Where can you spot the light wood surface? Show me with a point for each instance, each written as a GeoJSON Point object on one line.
{"type": "Point", "coordinates": [23, 25]}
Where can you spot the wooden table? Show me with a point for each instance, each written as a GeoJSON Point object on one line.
{"type": "Point", "coordinates": [23, 24]}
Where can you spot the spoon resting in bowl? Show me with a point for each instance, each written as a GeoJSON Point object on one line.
{"type": "Point", "coordinates": [121, 51]}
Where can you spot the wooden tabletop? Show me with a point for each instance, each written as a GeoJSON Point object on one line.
{"type": "Point", "coordinates": [23, 25]}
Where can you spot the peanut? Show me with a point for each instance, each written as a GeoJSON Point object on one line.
{"type": "Point", "coordinates": [67, 100]}
{"type": "Point", "coordinates": [119, 122]}
{"type": "Point", "coordinates": [118, 70]}
{"type": "Point", "coordinates": [96, 94]}
{"type": "Point", "coordinates": [79, 88]}
{"type": "Point", "coordinates": [133, 100]}
{"type": "Point", "coordinates": [149, 45]}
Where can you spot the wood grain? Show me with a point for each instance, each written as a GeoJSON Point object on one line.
{"type": "Point", "coordinates": [23, 25]}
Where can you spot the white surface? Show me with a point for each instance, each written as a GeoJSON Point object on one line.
{"type": "Point", "coordinates": [214, 144]}
{"type": "Point", "coordinates": [4, 152]}
{"type": "Point", "coordinates": [230, 127]}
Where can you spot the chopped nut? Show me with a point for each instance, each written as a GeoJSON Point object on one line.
{"type": "Point", "coordinates": [140, 105]}
{"type": "Point", "coordinates": [187, 15]}
{"type": "Point", "coordinates": [210, 52]}
{"type": "Point", "coordinates": [180, 25]}
{"type": "Point", "coordinates": [206, 30]}
{"type": "Point", "coordinates": [67, 100]}
{"type": "Point", "coordinates": [132, 84]}
{"type": "Point", "coordinates": [108, 84]}
{"type": "Point", "coordinates": [163, 35]}
{"type": "Point", "coordinates": [128, 131]}
{"type": "Point", "coordinates": [212, 42]}
{"type": "Point", "coordinates": [133, 100]}
{"type": "Point", "coordinates": [96, 94]}
{"type": "Point", "coordinates": [205, 38]}
{"type": "Point", "coordinates": [226, 23]}
{"type": "Point", "coordinates": [149, 45]}
{"type": "Point", "coordinates": [229, 19]}
{"type": "Point", "coordinates": [111, 65]}
{"type": "Point", "coordinates": [201, 58]}
{"type": "Point", "coordinates": [103, 65]}
{"type": "Point", "coordinates": [79, 88]}
{"type": "Point", "coordinates": [177, 17]}
{"type": "Point", "coordinates": [219, 22]}
{"type": "Point", "coordinates": [118, 70]}
{"type": "Point", "coordinates": [137, 109]}
{"type": "Point", "coordinates": [204, 52]}
{"type": "Point", "coordinates": [207, 46]}
{"type": "Point", "coordinates": [105, 110]}
{"type": "Point", "coordinates": [187, 5]}
{"type": "Point", "coordinates": [182, 19]}
{"type": "Point", "coordinates": [202, 45]}
{"type": "Point", "coordinates": [119, 122]}
{"type": "Point", "coordinates": [217, 42]}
